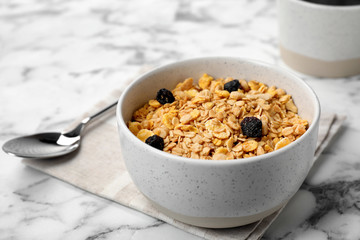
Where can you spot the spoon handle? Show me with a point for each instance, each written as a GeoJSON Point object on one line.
{"type": "Point", "coordinates": [96, 115]}
{"type": "Point", "coordinates": [78, 129]}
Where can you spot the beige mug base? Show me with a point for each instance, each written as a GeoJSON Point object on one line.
{"type": "Point", "coordinates": [216, 222]}
{"type": "Point", "coordinates": [320, 68]}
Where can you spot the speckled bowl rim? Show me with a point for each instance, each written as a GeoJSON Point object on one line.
{"type": "Point", "coordinates": [128, 133]}
{"type": "Point", "coordinates": [326, 7]}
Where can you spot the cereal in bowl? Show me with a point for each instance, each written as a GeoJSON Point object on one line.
{"type": "Point", "coordinates": [219, 119]}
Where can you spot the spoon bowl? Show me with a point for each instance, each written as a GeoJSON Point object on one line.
{"type": "Point", "coordinates": [42, 145]}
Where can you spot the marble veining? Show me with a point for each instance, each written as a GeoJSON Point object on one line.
{"type": "Point", "coordinates": [58, 58]}
{"type": "Point", "coordinates": [340, 196]}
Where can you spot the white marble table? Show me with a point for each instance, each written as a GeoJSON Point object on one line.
{"type": "Point", "coordinates": [57, 58]}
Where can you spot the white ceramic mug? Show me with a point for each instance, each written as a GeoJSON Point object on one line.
{"type": "Point", "coordinates": [320, 40]}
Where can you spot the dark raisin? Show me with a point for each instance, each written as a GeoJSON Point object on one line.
{"type": "Point", "coordinates": [231, 86]}
{"type": "Point", "coordinates": [251, 127]}
{"type": "Point", "coordinates": [155, 141]}
{"type": "Point", "coordinates": [164, 96]}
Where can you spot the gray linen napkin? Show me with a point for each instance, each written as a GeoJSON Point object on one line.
{"type": "Point", "coordinates": [98, 167]}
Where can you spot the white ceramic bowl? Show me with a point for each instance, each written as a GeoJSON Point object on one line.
{"type": "Point", "coordinates": [218, 194]}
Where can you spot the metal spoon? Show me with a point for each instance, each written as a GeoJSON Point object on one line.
{"type": "Point", "coordinates": [50, 144]}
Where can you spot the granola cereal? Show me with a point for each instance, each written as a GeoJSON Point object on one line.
{"type": "Point", "coordinates": [205, 120]}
